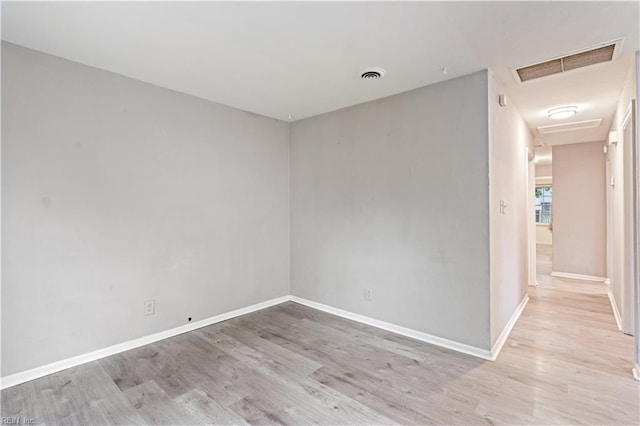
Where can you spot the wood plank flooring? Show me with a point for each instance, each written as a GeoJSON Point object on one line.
{"type": "Point", "coordinates": [565, 363]}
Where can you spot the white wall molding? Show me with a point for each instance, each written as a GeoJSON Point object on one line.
{"type": "Point", "coordinates": [577, 276]}
{"type": "Point", "coordinates": [607, 281]}
{"type": "Point", "coordinates": [54, 367]}
{"type": "Point", "coordinates": [408, 332]}
{"type": "Point", "coordinates": [502, 339]}
{"type": "Point", "coordinates": [614, 306]}
{"type": "Point", "coordinates": [45, 370]}
{"type": "Point", "coordinates": [636, 372]}
{"type": "Point", "coordinates": [544, 243]}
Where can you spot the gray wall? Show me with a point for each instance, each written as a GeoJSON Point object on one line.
{"type": "Point", "coordinates": [509, 140]}
{"type": "Point", "coordinates": [579, 209]}
{"type": "Point", "coordinates": [392, 195]}
{"type": "Point", "coordinates": [114, 192]}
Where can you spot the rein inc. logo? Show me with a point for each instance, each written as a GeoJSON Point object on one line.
{"type": "Point", "coordinates": [17, 421]}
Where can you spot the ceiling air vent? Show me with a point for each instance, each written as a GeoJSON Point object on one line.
{"type": "Point", "coordinates": [568, 63]}
{"type": "Point", "coordinates": [372, 73]}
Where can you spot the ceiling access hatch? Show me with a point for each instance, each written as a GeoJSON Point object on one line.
{"type": "Point", "coordinates": [567, 127]}
{"type": "Point", "coordinates": [603, 53]}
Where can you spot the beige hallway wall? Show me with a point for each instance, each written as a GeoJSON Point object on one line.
{"type": "Point", "coordinates": [579, 209]}
{"type": "Point", "coordinates": [509, 139]}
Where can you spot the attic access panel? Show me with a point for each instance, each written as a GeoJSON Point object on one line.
{"type": "Point", "coordinates": [567, 63]}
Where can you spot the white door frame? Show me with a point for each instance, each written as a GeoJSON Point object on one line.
{"type": "Point", "coordinates": [627, 305]}
{"type": "Point", "coordinates": [635, 173]}
{"type": "Point", "coordinates": [531, 217]}
{"type": "Point", "coordinates": [630, 287]}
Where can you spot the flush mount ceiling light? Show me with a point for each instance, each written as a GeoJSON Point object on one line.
{"type": "Point", "coordinates": [562, 112]}
{"type": "Point", "coordinates": [372, 73]}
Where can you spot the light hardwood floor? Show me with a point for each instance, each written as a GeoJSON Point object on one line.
{"type": "Point", "coordinates": [565, 362]}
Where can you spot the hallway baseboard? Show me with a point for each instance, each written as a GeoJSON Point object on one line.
{"type": "Point", "coordinates": [614, 307]}
{"type": "Point", "coordinates": [577, 276]}
{"type": "Point", "coordinates": [502, 339]}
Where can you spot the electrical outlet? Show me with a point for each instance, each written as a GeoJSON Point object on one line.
{"type": "Point", "coordinates": [150, 307]}
{"type": "Point", "coordinates": [368, 295]}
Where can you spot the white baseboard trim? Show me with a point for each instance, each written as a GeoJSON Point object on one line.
{"type": "Point", "coordinates": [490, 355]}
{"type": "Point", "coordinates": [502, 339]}
{"type": "Point", "coordinates": [614, 306]}
{"type": "Point", "coordinates": [607, 281]}
{"type": "Point", "coordinates": [45, 370]}
{"type": "Point", "coordinates": [577, 276]}
{"type": "Point", "coordinates": [534, 284]}
{"type": "Point", "coordinates": [636, 372]}
{"type": "Point", "coordinates": [544, 243]}
{"type": "Point", "coordinates": [414, 334]}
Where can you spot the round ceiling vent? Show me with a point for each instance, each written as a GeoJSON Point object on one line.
{"type": "Point", "coordinates": [373, 73]}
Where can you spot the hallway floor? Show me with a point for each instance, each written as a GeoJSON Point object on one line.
{"type": "Point", "coordinates": [565, 363]}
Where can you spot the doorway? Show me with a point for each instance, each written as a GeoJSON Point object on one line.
{"type": "Point", "coordinates": [542, 212]}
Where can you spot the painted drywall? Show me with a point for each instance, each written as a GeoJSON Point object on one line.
{"type": "Point", "coordinates": [392, 196]}
{"type": "Point", "coordinates": [543, 234]}
{"type": "Point", "coordinates": [543, 171]}
{"type": "Point", "coordinates": [115, 192]}
{"type": "Point", "coordinates": [509, 140]}
{"type": "Point", "coordinates": [620, 200]}
{"type": "Point", "coordinates": [579, 209]}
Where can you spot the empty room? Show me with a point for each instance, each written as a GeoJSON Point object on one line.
{"type": "Point", "coordinates": [320, 213]}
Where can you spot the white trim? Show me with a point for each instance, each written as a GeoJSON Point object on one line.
{"type": "Point", "coordinates": [414, 334]}
{"type": "Point", "coordinates": [607, 281]}
{"type": "Point", "coordinates": [45, 370]}
{"type": "Point", "coordinates": [502, 339]}
{"type": "Point", "coordinates": [544, 243]}
{"type": "Point", "coordinates": [577, 276]}
{"type": "Point", "coordinates": [636, 372]}
{"type": "Point", "coordinates": [614, 306]}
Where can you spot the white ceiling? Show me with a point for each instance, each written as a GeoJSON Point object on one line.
{"type": "Point", "coordinates": [304, 59]}
{"type": "Point", "coordinates": [595, 90]}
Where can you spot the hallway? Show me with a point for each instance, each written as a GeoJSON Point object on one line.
{"type": "Point", "coordinates": [567, 342]}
